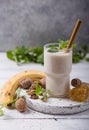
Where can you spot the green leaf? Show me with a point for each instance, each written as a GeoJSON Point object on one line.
{"type": "Point", "coordinates": [62, 44]}
{"type": "Point", "coordinates": [18, 92]}
{"type": "Point", "coordinates": [1, 106]}
{"type": "Point", "coordinates": [38, 89]}
{"type": "Point", "coordinates": [84, 47]}
{"type": "Point", "coordinates": [24, 54]}
{"type": "Point", "coordinates": [40, 59]}
{"type": "Point", "coordinates": [53, 50]}
{"type": "Point", "coordinates": [87, 59]}
{"type": "Point", "coordinates": [45, 96]}
{"type": "Point", "coordinates": [38, 50]}
{"type": "Point", "coordinates": [1, 112]}
{"type": "Point", "coordinates": [18, 95]}
{"type": "Point", "coordinates": [10, 54]}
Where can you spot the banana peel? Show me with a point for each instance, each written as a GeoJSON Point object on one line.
{"type": "Point", "coordinates": [8, 90]}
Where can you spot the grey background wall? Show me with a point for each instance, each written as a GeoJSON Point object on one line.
{"type": "Point", "coordinates": [34, 22]}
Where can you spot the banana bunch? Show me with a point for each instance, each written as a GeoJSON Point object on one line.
{"type": "Point", "coordinates": [8, 90]}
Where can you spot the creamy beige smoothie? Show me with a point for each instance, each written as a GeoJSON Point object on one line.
{"type": "Point", "coordinates": [57, 66]}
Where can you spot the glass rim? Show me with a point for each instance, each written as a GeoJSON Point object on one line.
{"type": "Point", "coordinates": [46, 46]}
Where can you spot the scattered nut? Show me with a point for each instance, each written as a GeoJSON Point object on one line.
{"type": "Point", "coordinates": [26, 83]}
{"type": "Point", "coordinates": [34, 96]}
{"type": "Point", "coordinates": [21, 105]}
{"type": "Point", "coordinates": [31, 92]}
{"type": "Point", "coordinates": [76, 82]}
{"type": "Point", "coordinates": [42, 82]}
{"type": "Point", "coordinates": [33, 86]}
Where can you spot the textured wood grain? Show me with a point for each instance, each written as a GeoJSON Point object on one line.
{"type": "Point", "coordinates": [42, 124]}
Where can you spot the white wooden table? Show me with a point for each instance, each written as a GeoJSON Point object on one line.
{"type": "Point", "coordinates": [32, 120]}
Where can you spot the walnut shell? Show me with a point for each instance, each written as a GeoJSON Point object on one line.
{"type": "Point", "coordinates": [26, 83]}
{"type": "Point", "coordinates": [42, 82]}
{"type": "Point", "coordinates": [21, 105]}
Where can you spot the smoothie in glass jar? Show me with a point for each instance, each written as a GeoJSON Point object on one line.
{"type": "Point", "coordinates": [57, 66]}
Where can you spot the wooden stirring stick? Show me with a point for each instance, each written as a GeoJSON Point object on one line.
{"type": "Point", "coordinates": [75, 30]}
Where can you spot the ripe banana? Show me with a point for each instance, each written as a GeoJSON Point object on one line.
{"type": "Point", "coordinates": [8, 90]}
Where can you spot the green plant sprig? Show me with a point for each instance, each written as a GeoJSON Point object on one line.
{"type": "Point", "coordinates": [78, 53]}
{"type": "Point", "coordinates": [18, 95]}
{"type": "Point", "coordinates": [23, 54]}
{"type": "Point", "coordinates": [1, 110]}
{"type": "Point", "coordinates": [39, 91]}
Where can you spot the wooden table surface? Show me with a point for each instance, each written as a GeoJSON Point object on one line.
{"type": "Point", "coordinates": [32, 120]}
